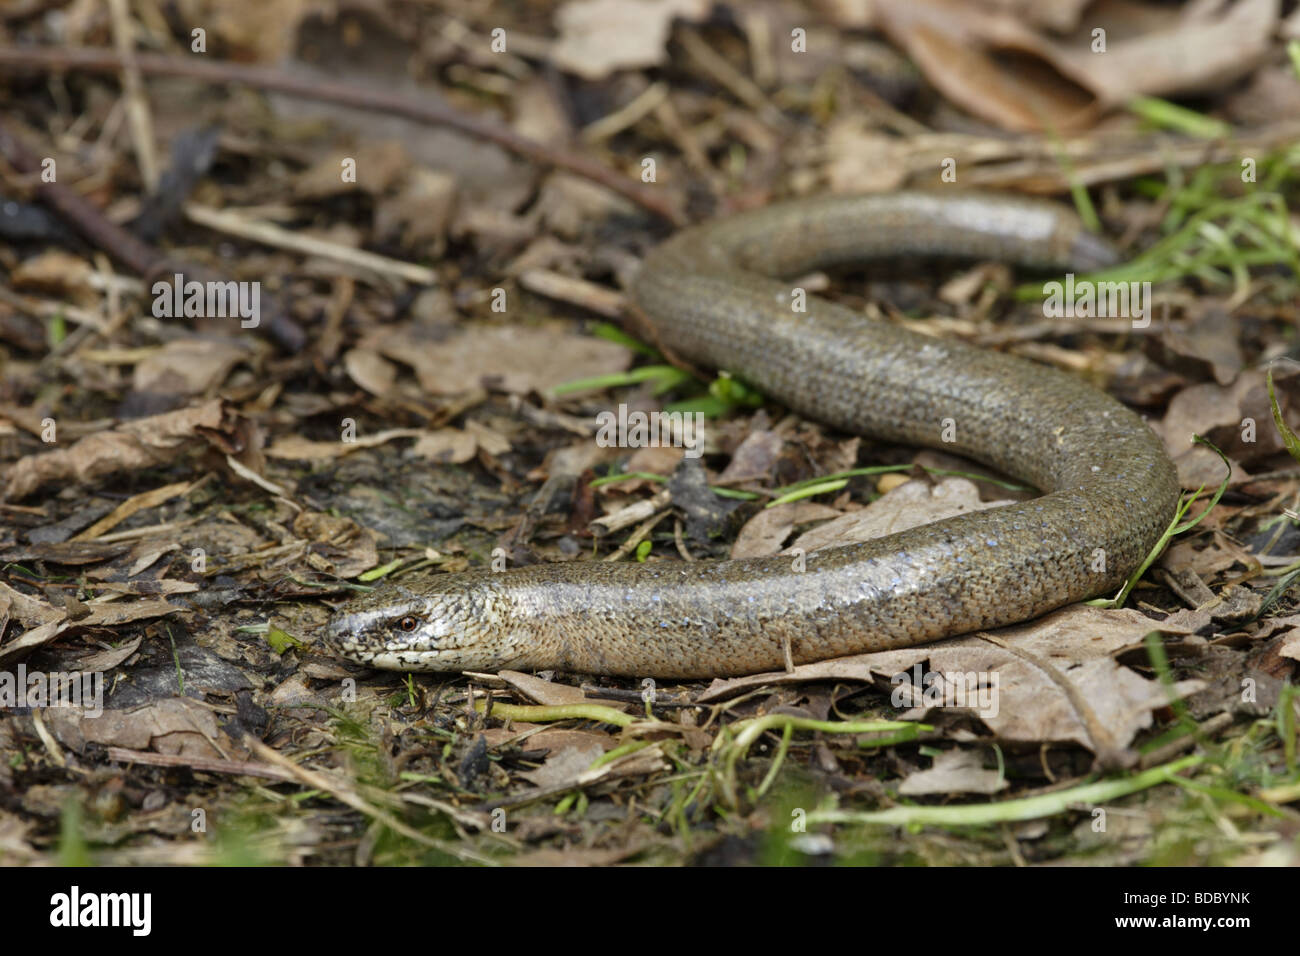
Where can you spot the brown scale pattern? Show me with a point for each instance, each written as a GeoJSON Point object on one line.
{"type": "Point", "coordinates": [714, 295]}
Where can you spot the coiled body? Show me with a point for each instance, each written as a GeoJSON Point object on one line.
{"type": "Point", "coordinates": [714, 294]}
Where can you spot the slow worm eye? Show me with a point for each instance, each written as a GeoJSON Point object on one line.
{"type": "Point", "coordinates": [408, 623]}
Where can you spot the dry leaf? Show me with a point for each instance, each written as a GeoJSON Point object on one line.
{"type": "Point", "coordinates": [375, 166]}
{"type": "Point", "coordinates": [754, 458]}
{"type": "Point", "coordinates": [26, 609]}
{"type": "Point", "coordinates": [349, 548]}
{"type": "Point", "coordinates": [598, 37]}
{"type": "Point", "coordinates": [1196, 49]}
{"type": "Point", "coordinates": [655, 459]}
{"type": "Point", "coordinates": [107, 660]}
{"type": "Point", "coordinates": [446, 446]}
{"type": "Point", "coordinates": [764, 533]}
{"type": "Point", "coordinates": [1060, 84]}
{"type": "Point", "coordinates": [172, 726]}
{"type": "Point", "coordinates": [909, 505]}
{"type": "Point", "coordinates": [1207, 339]}
{"type": "Point", "coordinates": [1219, 413]}
{"type": "Point", "coordinates": [133, 505]}
{"type": "Point", "coordinates": [297, 448]}
{"type": "Point", "coordinates": [519, 360]}
{"type": "Point", "coordinates": [552, 694]}
{"type": "Point", "coordinates": [950, 41]}
{"type": "Point", "coordinates": [188, 366]}
{"type": "Point", "coordinates": [564, 766]}
{"type": "Point", "coordinates": [418, 216]}
{"type": "Point", "coordinates": [546, 738]}
{"type": "Point", "coordinates": [52, 271]}
{"type": "Point", "coordinates": [1026, 703]}
{"type": "Point", "coordinates": [261, 30]}
{"type": "Point", "coordinates": [955, 771]}
{"type": "Point", "coordinates": [131, 446]}
{"type": "Point", "coordinates": [370, 370]}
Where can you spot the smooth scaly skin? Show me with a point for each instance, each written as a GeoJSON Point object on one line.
{"type": "Point", "coordinates": [1111, 488]}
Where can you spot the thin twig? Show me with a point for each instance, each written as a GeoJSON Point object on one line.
{"type": "Point", "coordinates": [140, 257]}
{"type": "Point", "coordinates": [235, 223]}
{"type": "Point", "coordinates": [241, 768]}
{"type": "Point", "coordinates": [721, 71]}
{"type": "Point", "coordinates": [637, 536]}
{"type": "Point", "coordinates": [424, 109]}
{"type": "Point", "coordinates": [137, 107]}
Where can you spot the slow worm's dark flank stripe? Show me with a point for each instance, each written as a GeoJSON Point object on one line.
{"type": "Point", "coordinates": [1110, 485]}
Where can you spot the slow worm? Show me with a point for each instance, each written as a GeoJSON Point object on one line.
{"type": "Point", "coordinates": [715, 296]}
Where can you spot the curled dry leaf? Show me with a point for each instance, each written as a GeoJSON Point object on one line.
{"type": "Point", "coordinates": [950, 43]}
{"type": "Point", "coordinates": [106, 660]}
{"type": "Point", "coordinates": [44, 622]}
{"type": "Point", "coordinates": [102, 614]}
{"type": "Point", "coordinates": [172, 726]}
{"type": "Point", "coordinates": [1161, 52]}
{"type": "Point", "coordinates": [131, 446]}
{"type": "Point", "coordinates": [67, 552]}
{"type": "Point", "coordinates": [349, 548]}
{"type": "Point", "coordinates": [27, 610]}
{"type": "Point", "coordinates": [1140, 50]}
